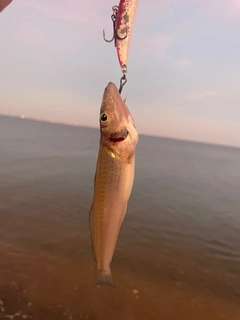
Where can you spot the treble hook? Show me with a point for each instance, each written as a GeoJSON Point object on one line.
{"type": "Point", "coordinates": [113, 17]}
{"type": "Point", "coordinates": [115, 34]}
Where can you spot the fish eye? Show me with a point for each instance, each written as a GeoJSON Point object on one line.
{"type": "Point", "coordinates": [103, 117]}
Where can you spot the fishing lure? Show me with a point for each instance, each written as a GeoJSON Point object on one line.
{"type": "Point", "coordinates": [123, 18]}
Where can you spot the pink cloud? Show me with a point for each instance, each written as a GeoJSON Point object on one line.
{"type": "Point", "coordinates": [77, 12]}
{"type": "Point", "coordinates": [235, 5]}
{"type": "Point", "coordinates": [172, 124]}
{"type": "Point", "coordinates": [91, 13]}
{"type": "Point", "coordinates": [31, 33]}
{"type": "Point", "coordinates": [225, 9]}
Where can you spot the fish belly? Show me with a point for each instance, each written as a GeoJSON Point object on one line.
{"type": "Point", "coordinates": [112, 189]}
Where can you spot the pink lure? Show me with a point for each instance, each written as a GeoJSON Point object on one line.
{"type": "Point", "coordinates": [124, 26]}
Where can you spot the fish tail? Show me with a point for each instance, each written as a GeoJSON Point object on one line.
{"type": "Point", "coordinates": [104, 278]}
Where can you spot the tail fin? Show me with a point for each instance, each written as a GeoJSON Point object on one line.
{"type": "Point", "coordinates": [104, 278]}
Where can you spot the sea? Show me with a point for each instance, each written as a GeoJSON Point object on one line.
{"type": "Point", "coordinates": [178, 251]}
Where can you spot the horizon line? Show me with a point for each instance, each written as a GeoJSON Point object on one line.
{"type": "Point", "coordinates": [140, 134]}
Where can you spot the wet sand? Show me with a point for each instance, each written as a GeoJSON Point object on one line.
{"type": "Point", "coordinates": [48, 274]}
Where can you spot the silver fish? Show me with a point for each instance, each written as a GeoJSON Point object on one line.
{"type": "Point", "coordinates": [113, 180]}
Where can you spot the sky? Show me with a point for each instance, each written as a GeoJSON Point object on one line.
{"type": "Point", "coordinates": [183, 65]}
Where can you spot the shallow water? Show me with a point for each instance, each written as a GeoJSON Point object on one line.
{"type": "Point", "coordinates": [178, 253]}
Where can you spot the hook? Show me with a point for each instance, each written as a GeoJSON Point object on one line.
{"type": "Point", "coordinates": [104, 37]}
{"type": "Point", "coordinates": [113, 17]}
{"type": "Point", "coordinates": [119, 38]}
{"type": "Point", "coordinates": [115, 34]}
{"type": "Point", "coordinates": [123, 81]}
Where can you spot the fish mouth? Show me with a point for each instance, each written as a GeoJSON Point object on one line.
{"type": "Point", "coordinates": [118, 136]}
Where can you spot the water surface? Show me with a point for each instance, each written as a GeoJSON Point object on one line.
{"type": "Point", "coordinates": [178, 253]}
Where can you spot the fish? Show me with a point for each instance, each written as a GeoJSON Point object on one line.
{"type": "Point", "coordinates": [113, 180]}
{"type": "Point", "coordinates": [124, 27]}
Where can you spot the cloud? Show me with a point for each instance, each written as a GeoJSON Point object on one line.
{"type": "Point", "coordinates": [76, 12]}
{"type": "Point", "coordinates": [235, 6]}
{"type": "Point", "coordinates": [158, 48]}
{"type": "Point", "coordinates": [173, 124]}
{"type": "Point", "coordinates": [28, 32]}
{"type": "Point", "coordinates": [226, 9]}
{"type": "Point", "coordinates": [181, 63]}
{"type": "Point", "coordinates": [200, 96]}
{"type": "Point", "coordinates": [158, 45]}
